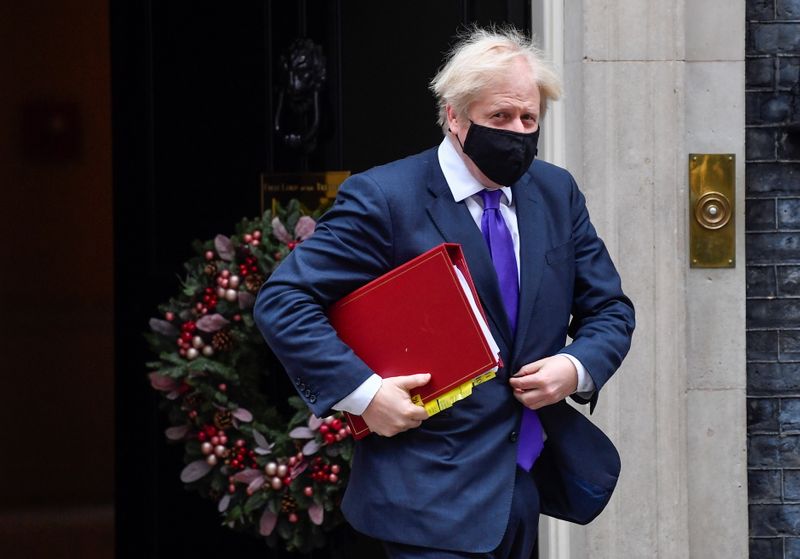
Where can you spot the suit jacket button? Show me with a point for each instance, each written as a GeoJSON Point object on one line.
{"type": "Point", "coordinates": [513, 436]}
{"type": "Point", "coordinates": [312, 398]}
{"type": "Point", "coordinates": [307, 392]}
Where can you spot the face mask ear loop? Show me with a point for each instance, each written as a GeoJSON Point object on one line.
{"type": "Point", "coordinates": [457, 138]}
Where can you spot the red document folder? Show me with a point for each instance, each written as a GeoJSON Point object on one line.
{"type": "Point", "coordinates": [417, 319]}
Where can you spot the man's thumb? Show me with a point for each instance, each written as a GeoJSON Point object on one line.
{"type": "Point", "coordinates": [413, 381]}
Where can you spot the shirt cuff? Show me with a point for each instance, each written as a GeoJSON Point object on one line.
{"type": "Point", "coordinates": [585, 383]}
{"type": "Point", "coordinates": [358, 400]}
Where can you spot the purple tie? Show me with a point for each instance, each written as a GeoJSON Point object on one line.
{"type": "Point", "coordinates": [501, 247]}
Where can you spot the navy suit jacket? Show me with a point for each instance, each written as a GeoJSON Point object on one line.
{"type": "Point", "coordinates": [448, 484]}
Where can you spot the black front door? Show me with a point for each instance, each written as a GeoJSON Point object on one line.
{"type": "Point", "coordinates": [195, 89]}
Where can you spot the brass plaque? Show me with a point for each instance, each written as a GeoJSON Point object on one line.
{"type": "Point", "coordinates": [712, 224]}
{"type": "Point", "coordinates": [314, 191]}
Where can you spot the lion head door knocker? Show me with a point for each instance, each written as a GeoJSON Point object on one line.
{"type": "Point", "coordinates": [297, 117]}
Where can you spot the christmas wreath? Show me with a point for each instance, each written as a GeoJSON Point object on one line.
{"type": "Point", "coordinates": [275, 471]}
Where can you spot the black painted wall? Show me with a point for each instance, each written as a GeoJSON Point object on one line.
{"type": "Point", "coordinates": [193, 99]}
{"type": "Point", "coordinates": [773, 276]}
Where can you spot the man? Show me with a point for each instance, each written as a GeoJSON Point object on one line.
{"type": "Point", "coordinates": [467, 482]}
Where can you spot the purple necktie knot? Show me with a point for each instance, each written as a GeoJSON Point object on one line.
{"type": "Point", "coordinates": [491, 199]}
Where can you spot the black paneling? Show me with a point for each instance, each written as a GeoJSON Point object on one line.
{"type": "Point", "coordinates": [388, 111]}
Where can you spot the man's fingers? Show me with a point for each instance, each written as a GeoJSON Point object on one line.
{"type": "Point", "coordinates": [527, 382]}
{"type": "Point", "coordinates": [418, 413]}
{"type": "Point", "coordinates": [530, 368]}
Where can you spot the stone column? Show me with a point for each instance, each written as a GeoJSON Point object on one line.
{"type": "Point", "coordinates": [647, 83]}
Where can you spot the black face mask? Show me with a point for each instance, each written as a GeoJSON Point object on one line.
{"type": "Point", "coordinates": [502, 155]}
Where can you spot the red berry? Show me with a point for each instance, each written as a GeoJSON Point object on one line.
{"type": "Point", "coordinates": [333, 478]}
{"type": "Point", "coordinates": [291, 245]}
{"type": "Point", "coordinates": [308, 491]}
{"type": "Point", "coordinates": [330, 438]}
{"type": "Point", "coordinates": [293, 518]}
{"type": "Point", "coordinates": [324, 428]}
{"type": "Point", "coordinates": [287, 481]}
{"type": "Point", "coordinates": [336, 424]}
{"type": "Point", "coordinates": [335, 468]}
{"type": "Point", "coordinates": [201, 436]}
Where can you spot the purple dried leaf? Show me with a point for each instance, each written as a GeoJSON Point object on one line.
{"type": "Point", "coordinates": [311, 447]}
{"type": "Point", "coordinates": [301, 433]}
{"type": "Point", "coordinates": [242, 415]}
{"type": "Point", "coordinates": [177, 432]}
{"type": "Point", "coordinates": [304, 228]}
{"type": "Point", "coordinates": [224, 502]}
{"type": "Point", "coordinates": [314, 422]}
{"type": "Point", "coordinates": [163, 327]}
{"type": "Point", "coordinates": [261, 440]}
{"type": "Point", "coordinates": [280, 231]}
{"type": "Point", "coordinates": [266, 523]}
{"type": "Point", "coordinates": [162, 383]}
{"type": "Point", "coordinates": [316, 513]}
{"type": "Point", "coordinates": [298, 469]}
{"type": "Point", "coordinates": [224, 247]}
{"type": "Point", "coordinates": [174, 395]}
{"type": "Point", "coordinates": [246, 476]}
{"type": "Point", "coordinates": [262, 451]}
{"type": "Point", "coordinates": [255, 485]}
{"type": "Point", "coordinates": [194, 471]}
{"type": "Point", "coordinates": [212, 322]}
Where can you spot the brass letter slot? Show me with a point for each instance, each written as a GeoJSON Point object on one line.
{"type": "Point", "coordinates": [712, 227]}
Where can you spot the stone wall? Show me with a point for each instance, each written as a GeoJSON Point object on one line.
{"type": "Point", "coordinates": [773, 276]}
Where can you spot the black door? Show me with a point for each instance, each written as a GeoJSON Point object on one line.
{"type": "Point", "coordinates": [195, 92]}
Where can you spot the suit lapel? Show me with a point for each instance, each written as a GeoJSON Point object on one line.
{"type": "Point", "coordinates": [533, 242]}
{"type": "Point", "coordinates": [456, 225]}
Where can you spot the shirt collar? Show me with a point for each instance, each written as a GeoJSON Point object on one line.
{"type": "Point", "coordinates": [461, 182]}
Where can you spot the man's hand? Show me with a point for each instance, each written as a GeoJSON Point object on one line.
{"type": "Point", "coordinates": [391, 410]}
{"type": "Point", "coordinates": [545, 381]}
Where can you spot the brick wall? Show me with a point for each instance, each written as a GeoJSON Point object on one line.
{"type": "Point", "coordinates": [773, 276]}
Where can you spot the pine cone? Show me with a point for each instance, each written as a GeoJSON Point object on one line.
{"type": "Point", "coordinates": [222, 341]}
{"type": "Point", "coordinates": [210, 269]}
{"type": "Point", "coordinates": [223, 419]}
{"type": "Point", "coordinates": [288, 504]}
{"type": "Point", "coordinates": [253, 282]}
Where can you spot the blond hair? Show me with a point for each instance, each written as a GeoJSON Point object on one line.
{"type": "Point", "coordinates": [479, 58]}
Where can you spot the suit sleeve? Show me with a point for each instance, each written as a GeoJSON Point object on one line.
{"type": "Point", "coordinates": [602, 316]}
{"type": "Point", "coordinates": [352, 244]}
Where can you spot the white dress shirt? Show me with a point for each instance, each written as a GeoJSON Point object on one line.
{"type": "Point", "coordinates": [464, 187]}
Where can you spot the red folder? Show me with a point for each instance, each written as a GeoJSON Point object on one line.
{"type": "Point", "coordinates": [417, 319]}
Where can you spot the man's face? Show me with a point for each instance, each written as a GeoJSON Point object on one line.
{"type": "Point", "coordinates": [511, 104]}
